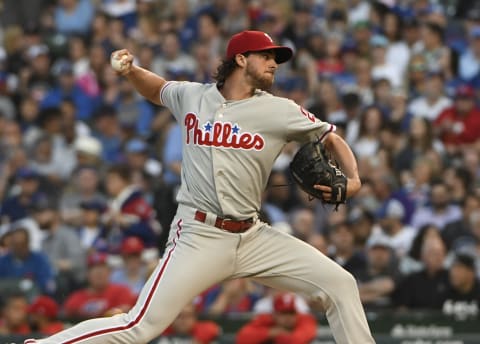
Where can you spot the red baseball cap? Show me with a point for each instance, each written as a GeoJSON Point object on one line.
{"type": "Point", "coordinates": [44, 305]}
{"type": "Point", "coordinates": [97, 258]}
{"type": "Point", "coordinates": [284, 302]}
{"type": "Point", "coordinates": [246, 41]}
{"type": "Point", "coordinates": [132, 245]}
{"type": "Point", "coordinates": [465, 91]}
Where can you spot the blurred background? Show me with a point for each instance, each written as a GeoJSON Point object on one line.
{"type": "Point", "coordinates": [89, 170]}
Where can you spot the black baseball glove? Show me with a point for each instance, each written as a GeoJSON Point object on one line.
{"type": "Point", "coordinates": [311, 166]}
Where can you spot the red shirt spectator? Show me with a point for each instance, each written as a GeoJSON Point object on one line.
{"type": "Point", "coordinates": [284, 326]}
{"type": "Point", "coordinates": [43, 314]}
{"type": "Point", "coordinates": [100, 297]}
{"type": "Point", "coordinates": [460, 124]}
{"type": "Point", "coordinates": [186, 324]}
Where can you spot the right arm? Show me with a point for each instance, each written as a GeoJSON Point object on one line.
{"type": "Point", "coordinates": [146, 83]}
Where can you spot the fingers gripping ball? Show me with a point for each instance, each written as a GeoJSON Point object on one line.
{"type": "Point", "coordinates": [311, 166]}
{"type": "Point", "coordinates": [119, 62]}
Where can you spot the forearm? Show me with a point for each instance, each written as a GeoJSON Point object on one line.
{"type": "Point", "coordinates": [343, 154]}
{"type": "Point", "coordinates": [348, 163]}
{"type": "Point", "coordinates": [146, 83]}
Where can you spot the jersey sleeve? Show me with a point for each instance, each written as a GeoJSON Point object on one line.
{"type": "Point", "coordinates": [303, 126]}
{"type": "Point", "coordinates": [175, 95]}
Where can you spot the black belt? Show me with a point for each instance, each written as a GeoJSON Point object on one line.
{"type": "Point", "coordinates": [228, 225]}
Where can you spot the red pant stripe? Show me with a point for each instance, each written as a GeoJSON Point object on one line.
{"type": "Point", "coordinates": [147, 301]}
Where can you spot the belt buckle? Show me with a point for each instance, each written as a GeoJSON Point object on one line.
{"type": "Point", "coordinates": [223, 223]}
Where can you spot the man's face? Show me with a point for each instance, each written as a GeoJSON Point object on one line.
{"type": "Point", "coordinates": [184, 322]}
{"type": "Point", "coordinates": [464, 104]}
{"type": "Point", "coordinates": [379, 257]}
{"type": "Point", "coordinates": [260, 69]}
{"type": "Point", "coordinates": [439, 196]}
{"type": "Point", "coordinates": [19, 243]}
{"type": "Point", "coordinates": [99, 276]}
{"type": "Point", "coordinates": [15, 313]}
{"type": "Point", "coordinates": [286, 320]}
{"type": "Point", "coordinates": [460, 275]}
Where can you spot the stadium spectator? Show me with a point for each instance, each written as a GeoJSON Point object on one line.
{"type": "Point", "coordinates": [377, 282]}
{"type": "Point", "coordinates": [345, 254]}
{"type": "Point", "coordinates": [13, 319]}
{"type": "Point", "coordinates": [100, 296]}
{"type": "Point", "coordinates": [427, 288]}
{"type": "Point", "coordinates": [459, 124]}
{"type": "Point", "coordinates": [469, 63]}
{"type": "Point", "coordinates": [284, 325]}
{"type": "Point", "coordinates": [400, 235]}
{"type": "Point", "coordinates": [73, 16]}
{"type": "Point", "coordinates": [230, 297]}
{"type": "Point", "coordinates": [133, 272]}
{"type": "Point", "coordinates": [433, 100]}
{"type": "Point", "coordinates": [92, 233]}
{"type": "Point", "coordinates": [16, 206]}
{"type": "Point", "coordinates": [43, 312]}
{"type": "Point", "coordinates": [187, 327]}
{"type": "Point", "coordinates": [440, 212]}
{"type": "Point", "coordinates": [463, 296]}
{"type": "Point", "coordinates": [20, 263]}
{"type": "Point", "coordinates": [83, 187]}
{"type": "Point", "coordinates": [128, 212]}
{"type": "Point", "coordinates": [60, 244]}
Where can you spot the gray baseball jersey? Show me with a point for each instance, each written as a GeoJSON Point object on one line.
{"type": "Point", "coordinates": [246, 137]}
{"type": "Point", "coordinates": [229, 148]}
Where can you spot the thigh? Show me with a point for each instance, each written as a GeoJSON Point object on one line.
{"type": "Point", "coordinates": [285, 262]}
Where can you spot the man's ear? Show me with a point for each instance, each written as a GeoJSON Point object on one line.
{"type": "Point", "coordinates": [241, 60]}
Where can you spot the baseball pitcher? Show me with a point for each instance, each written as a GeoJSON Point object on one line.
{"type": "Point", "coordinates": [232, 131]}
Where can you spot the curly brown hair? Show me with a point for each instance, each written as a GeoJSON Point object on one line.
{"type": "Point", "coordinates": [224, 70]}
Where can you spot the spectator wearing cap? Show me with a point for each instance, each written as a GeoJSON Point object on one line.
{"type": "Point", "coordinates": [93, 234]}
{"type": "Point", "coordinates": [66, 87]}
{"type": "Point", "coordinates": [284, 325]}
{"type": "Point", "coordinates": [138, 158]}
{"type": "Point", "coordinates": [13, 315]}
{"type": "Point", "coordinates": [60, 244]}
{"type": "Point", "coordinates": [463, 295]}
{"type": "Point", "coordinates": [460, 124]}
{"type": "Point", "coordinates": [16, 207]}
{"type": "Point", "coordinates": [43, 314]}
{"type": "Point", "coordinates": [391, 223]}
{"type": "Point", "coordinates": [381, 68]}
{"type": "Point", "coordinates": [128, 212]}
{"type": "Point", "coordinates": [133, 273]}
{"type": "Point", "coordinates": [88, 151]}
{"type": "Point", "coordinates": [20, 263]}
{"type": "Point", "coordinates": [440, 212]}
{"type": "Point", "coordinates": [378, 280]}
{"type": "Point", "coordinates": [100, 297]}
{"type": "Point", "coordinates": [425, 289]}
{"type": "Point", "coordinates": [433, 99]}
{"type": "Point", "coordinates": [187, 327]}
{"type": "Point", "coordinates": [469, 63]}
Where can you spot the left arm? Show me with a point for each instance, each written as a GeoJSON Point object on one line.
{"type": "Point", "coordinates": [344, 155]}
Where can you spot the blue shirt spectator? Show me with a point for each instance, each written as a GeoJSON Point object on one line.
{"type": "Point", "coordinates": [21, 263]}
{"type": "Point", "coordinates": [74, 16]}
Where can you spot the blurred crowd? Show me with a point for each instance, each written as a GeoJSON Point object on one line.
{"type": "Point", "coordinates": [89, 170]}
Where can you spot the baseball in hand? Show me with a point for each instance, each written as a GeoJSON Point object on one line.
{"type": "Point", "coordinates": [119, 63]}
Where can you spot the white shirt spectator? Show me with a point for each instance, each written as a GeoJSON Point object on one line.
{"type": "Point", "coordinates": [420, 107]}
